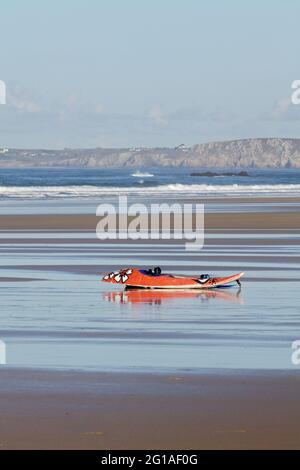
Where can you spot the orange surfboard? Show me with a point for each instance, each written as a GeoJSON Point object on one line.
{"type": "Point", "coordinates": [141, 278]}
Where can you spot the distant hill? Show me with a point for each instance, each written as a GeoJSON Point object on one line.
{"type": "Point", "coordinates": [255, 153]}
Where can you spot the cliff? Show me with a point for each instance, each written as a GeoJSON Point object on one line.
{"type": "Point", "coordinates": [255, 153]}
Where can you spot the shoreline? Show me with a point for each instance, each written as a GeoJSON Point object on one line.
{"type": "Point", "coordinates": [66, 318]}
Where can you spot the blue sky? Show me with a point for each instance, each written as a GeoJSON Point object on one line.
{"type": "Point", "coordinates": [156, 72]}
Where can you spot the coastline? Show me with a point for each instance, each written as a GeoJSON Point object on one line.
{"type": "Point", "coordinates": [149, 231]}
{"type": "Point", "coordinates": [203, 402]}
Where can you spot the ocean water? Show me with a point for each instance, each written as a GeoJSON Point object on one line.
{"type": "Point", "coordinates": [94, 183]}
{"type": "Point", "coordinates": [55, 312]}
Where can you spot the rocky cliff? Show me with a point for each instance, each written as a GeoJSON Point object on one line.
{"type": "Point", "coordinates": [255, 153]}
{"type": "Point", "coordinates": [259, 153]}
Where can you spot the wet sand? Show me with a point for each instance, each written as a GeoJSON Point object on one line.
{"type": "Point", "coordinates": [195, 395]}
{"type": "Point", "coordinates": [73, 410]}
{"type": "Point", "coordinates": [223, 221]}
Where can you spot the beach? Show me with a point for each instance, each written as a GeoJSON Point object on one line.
{"type": "Point", "coordinates": [91, 366]}
{"type": "Point", "coordinates": [149, 230]}
{"type": "Point", "coordinates": [77, 410]}
{"type": "Point", "coordinates": [290, 220]}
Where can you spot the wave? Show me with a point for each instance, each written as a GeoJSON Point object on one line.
{"type": "Point", "coordinates": [139, 174]}
{"type": "Point", "coordinates": [237, 188]}
{"type": "Point", "coordinates": [86, 191]}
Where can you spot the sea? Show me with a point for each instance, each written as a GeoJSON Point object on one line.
{"type": "Point", "coordinates": [56, 314]}
{"type": "Point", "coordinates": [47, 183]}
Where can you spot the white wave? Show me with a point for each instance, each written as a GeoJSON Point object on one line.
{"type": "Point", "coordinates": [40, 192]}
{"type": "Point", "coordinates": [139, 174]}
{"type": "Point", "coordinates": [235, 188]}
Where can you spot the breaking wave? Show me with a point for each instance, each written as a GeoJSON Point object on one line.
{"type": "Point", "coordinates": [139, 174]}
{"type": "Point", "coordinates": [87, 191]}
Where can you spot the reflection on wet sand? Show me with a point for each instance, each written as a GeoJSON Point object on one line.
{"type": "Point", "coordinates": [94, 325]}
{"type": "Point", "coordinates": [158, 297]}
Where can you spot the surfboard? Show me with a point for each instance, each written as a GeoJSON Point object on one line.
{"type": "Point", "coordinates": [141, 278]}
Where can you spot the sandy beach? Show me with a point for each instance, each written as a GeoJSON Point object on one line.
{"type": "Point", "coordinates": [228, 221]}
{"type": "Point", "coordinates": [94, 367]}
{"type": "Point", "coordinates": [149, 230]}
{"type": "Point", "coordinates": [73, 410]}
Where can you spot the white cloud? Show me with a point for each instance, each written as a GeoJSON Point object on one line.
{"type": "Point", "coordinates": [281, 108]}
{"type": "Point", "coordinates": [283, 111]}
{"type": "Point", "coordinates": [19, 98]}
{"type": "Point", "coordinates": [25, 105]}
{"type": "Point", "coordinates": [157, 116]}
{"type": "Point", "coordinates": [99, 109]}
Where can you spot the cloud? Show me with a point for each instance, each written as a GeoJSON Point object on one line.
{"type": "Point", "coordinates": [34, 119]}
{"type": "Point", "coordinates": [75, 103]}
{"type": "Point", "coordinates": [99, 109]}
{"type": "Point", "coordinates": [283, 110]}
{"type": "Point", "coordinates": [20, 99]}
{"type": "Point", "coordinates": [157, 116]}
{"type": "Point", "coordinates": [198, 114]}
{"type": "Point", "coordinates": [28, 106]}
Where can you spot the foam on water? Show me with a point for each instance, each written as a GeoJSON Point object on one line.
{"type": "Point", "coordinates": [87, 191]}
{"type": "Point", "coordinates": [139, 174]}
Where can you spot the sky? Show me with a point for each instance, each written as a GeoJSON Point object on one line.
{"type": "Point", "coordinates": [122, 73]}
